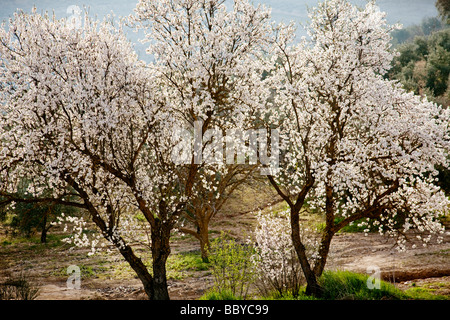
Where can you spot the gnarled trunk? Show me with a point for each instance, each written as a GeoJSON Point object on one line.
{"type": "Point", "coordinates": [160, 253]}
{"type": "Point", "coordinates": [323, 251]}
{"type": "Point", "coordinates": [44, 229]}
{"type": "Point", "coordinates": [203, 237]}
{"type": "Point", "coordinates": [312, 287]}
{"type": "Point", "coordinates": [141, 270]}
{"type": "Point", "coordinates": [201, 234]}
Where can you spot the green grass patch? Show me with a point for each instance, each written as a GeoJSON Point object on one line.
{"type": "Point", "coordinates": [85, 271]}
{"type": "Point", "coordinates": [214, 294]}
{"type": "Point", "coordinates": [424, 293]}
{"type": "Point", "coordinates": [340, 285]}
{"type": "Point", "coordinates": [187, 261]}
{"type": "Point", "coordinates": [289, 296]}
{"type": "Point", "coordinates": [53, 240]}
{"type": "Point", "coordinates": [346, 285]}
{"type": "Point", "coordinates": [177, 266]}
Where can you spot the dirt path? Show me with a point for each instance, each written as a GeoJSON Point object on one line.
{"type": "Point", "coordinates": [356, 252]}
{"type": "Point", "coordinates": [350, 251]}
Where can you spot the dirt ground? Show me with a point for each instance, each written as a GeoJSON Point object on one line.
{"type": "Point", "coordinates": [107, 276]}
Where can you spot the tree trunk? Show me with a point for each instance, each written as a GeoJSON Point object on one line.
{"type": "Point", "coordinates": [323, 252]}
{"type": "Point", "coordinates": [160, 253]}
{"type": "Point", "coordinates": [312, 287]}
{"type": "Point", "coordinates": [328, 232]}
{"type": "Point", "coordinates": [44, 230]}
{"type": "Point", "coordinates": [135, 262]}
{"type": "Point", "coordinates": [44, 235]}
{"type": "Point", "coordinates": [141, 270]}
{"type": "Point", "coordinates": [204, 241]}
{"type": "Point", "coordinates": [202, 235]}
{"type": "Point", "coordinates": [160, 279]}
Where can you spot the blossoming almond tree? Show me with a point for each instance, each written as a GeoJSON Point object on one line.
{"type": "Point", "coordinates": [356, 146]}
{"type": "Point", "coordinates": [80, 116]}
{"type": "Point", "coordinates": [211, 59]}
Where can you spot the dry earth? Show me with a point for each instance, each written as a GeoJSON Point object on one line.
{"type": "Point", "coordinates": [107, 276]}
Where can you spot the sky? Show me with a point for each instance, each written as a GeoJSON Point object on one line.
{"type": "Point", "coordinates": [406, 12]}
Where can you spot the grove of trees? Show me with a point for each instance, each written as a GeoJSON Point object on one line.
{"type": "Point", "coordinates": [90, 126]}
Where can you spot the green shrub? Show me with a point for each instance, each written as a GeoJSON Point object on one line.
{"type": "Point", "coordinates": [30, 217]}
{"type": "Point", "coordinates": [232, 266]}
{"type": "Point", "coordinates": [18, 289]}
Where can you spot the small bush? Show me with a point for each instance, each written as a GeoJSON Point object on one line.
{"type": "Point", "coordinates": [18, 289]}
{"type": "Point", "coordinates": [232, 266]}
{"type": "Point", "coordinates": [278, 269]}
